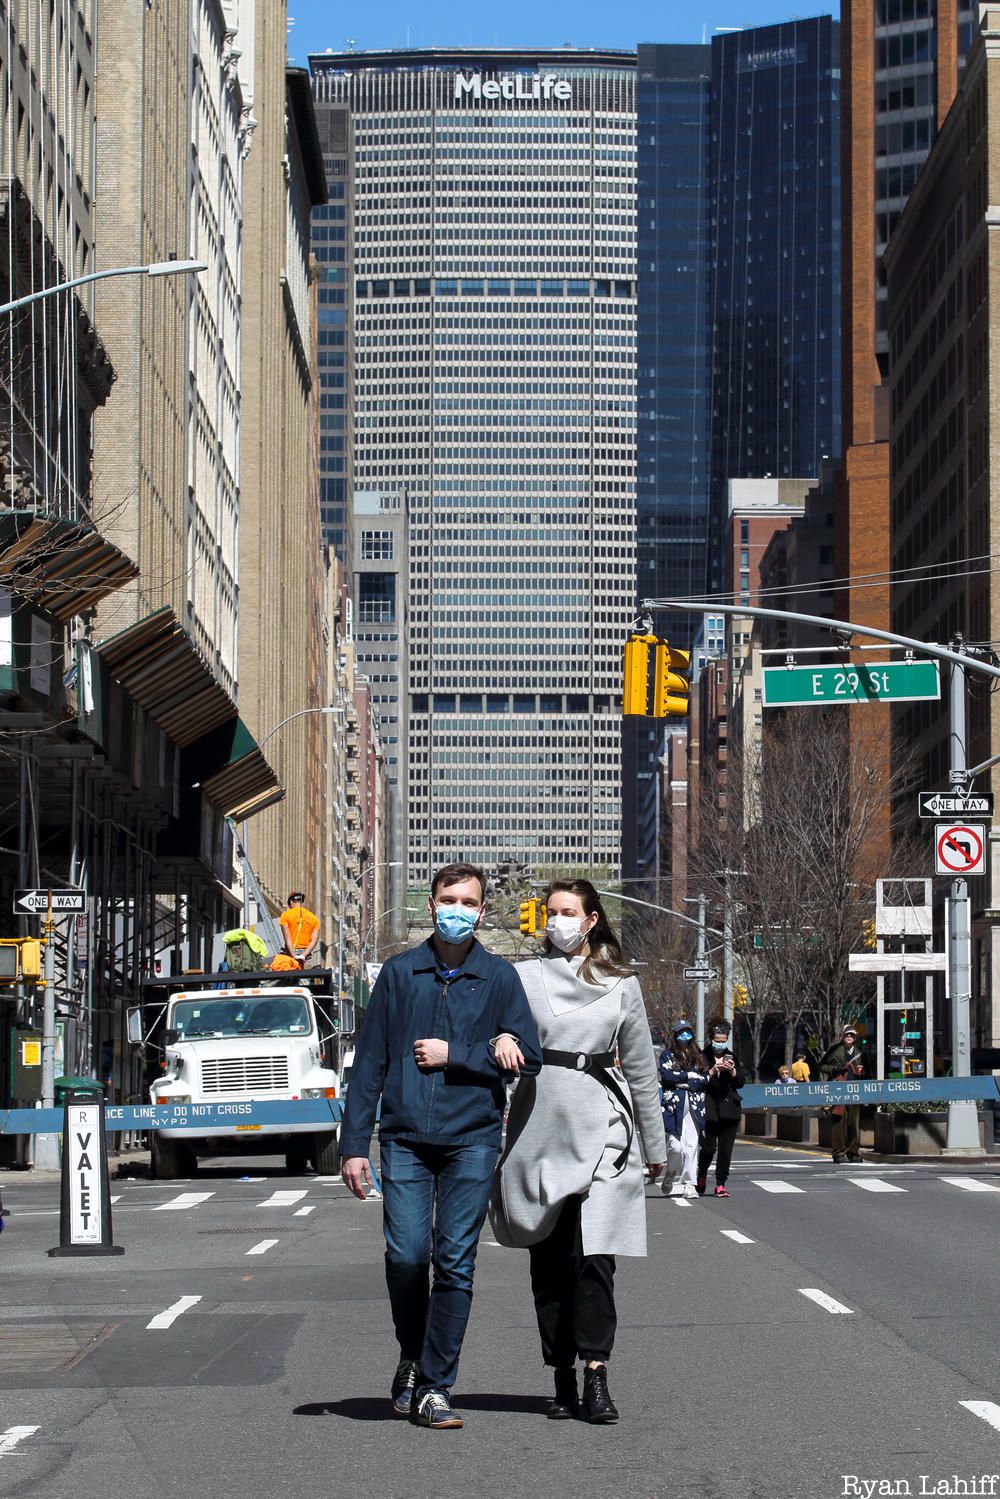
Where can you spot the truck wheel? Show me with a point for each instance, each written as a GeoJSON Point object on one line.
{"type": "Point", "coordinates": [170, 1159]}
{"type": "Point", "coordinates": [326, 1153]}
{"type": "Point", "coordinates": [297, 1155]}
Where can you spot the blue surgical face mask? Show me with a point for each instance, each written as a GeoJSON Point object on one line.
{"type": "Point", "coordinates": [455, 923]}
{"type": "Point", "coordinates": [720, 1045]}
{"type": "Point", "coordinates": [685, 1036]}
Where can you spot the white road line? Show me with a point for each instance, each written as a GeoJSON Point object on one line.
{"type": "Point", "coordinates": [969, 1183]}
{"type": "Point", "coordinates": [779, 1186]}
{"type": "Point", "coordinates": [113, 1200]}
{"type": "Point", "coordinates": [826, 1302]}
{"type": "Point", "coordinates": [736, 1236]}
{"type": "Point", "coordinates": [874, 1184]}
{"type": "Point", "coordinates": [986, 1410]}
{"type": "Point", "coordinates": [245, 1180]}
{"type": "Point", "coordinates": [282, 1199]}
{"type": "Point", "coordinates": [165, 1318]}
{"type": "Point", "coordinates": [185, 1200]}
{"type": "Point", "coordinates": [263, 1246]}
{"type": "Point", "coordinates": [10, 1438]}
{"type": "Point", "coordinates": [338, 1179]}
{"type": "Point", "coordinates": [304, 1212]}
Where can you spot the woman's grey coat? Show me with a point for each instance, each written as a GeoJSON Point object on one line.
{"type": "Point", "coordinates": [565, 1130]}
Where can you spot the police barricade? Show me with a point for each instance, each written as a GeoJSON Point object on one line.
{"type": "Point", "coordinates": [887, 1090]}
{"type": "Point", "coordinates": [124, 1118]}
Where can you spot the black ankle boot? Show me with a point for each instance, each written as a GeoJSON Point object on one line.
{"type": "Point", "coordinates": [566, 1401]}
{"type": "Point", "coordinates": [598, 1406]}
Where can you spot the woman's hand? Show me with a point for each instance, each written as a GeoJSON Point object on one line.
{"type": "Point", "coordinates": [509, 1056]}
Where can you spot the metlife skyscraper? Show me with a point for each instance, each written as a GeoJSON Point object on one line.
{"type": "Point", "coordinates": [494, 334]}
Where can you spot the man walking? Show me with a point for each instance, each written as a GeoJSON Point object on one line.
{"type": "Point", "coordinates": [447, 1024]}
{"type": "Point", "coordinates": [844, 1063]}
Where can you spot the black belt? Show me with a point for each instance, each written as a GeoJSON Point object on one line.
{"type": "Point", "coordinates": [597, 1064]}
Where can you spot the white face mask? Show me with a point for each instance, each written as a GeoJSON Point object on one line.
{"type": "Point", "coordinates": [564, 932]}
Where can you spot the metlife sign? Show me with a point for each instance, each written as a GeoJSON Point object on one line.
{"type": "Point", "coordinates": [515, 87]}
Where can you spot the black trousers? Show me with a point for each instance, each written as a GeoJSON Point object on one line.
{"type": "Point", "coordinates": [574, 1293]}
{"type": "Point", "coordinates": [722, 1134]}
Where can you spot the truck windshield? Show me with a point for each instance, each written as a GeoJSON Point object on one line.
{"type": "Point", "coordinates": [287, 1015]}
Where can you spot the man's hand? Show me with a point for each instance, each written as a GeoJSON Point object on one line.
{"type": "Point", "coordinates": [509, 1056]}
{"type": "Point", "coordinates": [654, 1168]}
{"type": "Point", "coordinates": [430, 1054]}
{"type": "Point", "coordinates": [357, 1175]}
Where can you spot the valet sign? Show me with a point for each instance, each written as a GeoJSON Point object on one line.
{"type": "Point", "coordinates": [84, 1146]}
{"type": "Point", "coordinates": [513, 86]}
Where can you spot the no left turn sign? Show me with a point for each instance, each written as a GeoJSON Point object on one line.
{"type": "Point", "coordinates": [960, 848]}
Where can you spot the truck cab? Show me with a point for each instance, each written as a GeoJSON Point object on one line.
{"type": "Point", "coordinates": [234, 1038]}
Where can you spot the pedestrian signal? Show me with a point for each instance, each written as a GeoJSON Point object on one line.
{"type": "Point", "coordinates": [20, 958]}
{"type": "Point", "coordinates": [741, 996]}
{"type": "Point", "coordinates": [671, 685]}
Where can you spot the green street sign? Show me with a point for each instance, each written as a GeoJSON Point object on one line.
{"type": "Point", "coordinates": [868, 682]}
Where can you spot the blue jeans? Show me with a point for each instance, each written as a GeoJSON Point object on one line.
{"type": "Point", "coordinates": [434, 1202]}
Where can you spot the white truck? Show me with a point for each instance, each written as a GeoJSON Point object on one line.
{"type": "Point", "coordinates": [257, 1038]}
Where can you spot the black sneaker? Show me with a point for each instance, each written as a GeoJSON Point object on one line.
{"type": "Point", "coordinates": [403, 1384]}
{"type": "Point", "coordinates": [434, 1409]}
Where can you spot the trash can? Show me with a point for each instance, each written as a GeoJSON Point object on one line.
{"type": "Point", "coordinates": [66, 1085]}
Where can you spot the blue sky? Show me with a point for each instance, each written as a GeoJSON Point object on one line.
{"type": "Point", "coordinates": [320, 24]}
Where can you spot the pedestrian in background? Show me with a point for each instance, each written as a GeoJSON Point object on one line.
{"type": "Point", "coordinates": [723, 1106]}
{"type": "Point", "coordinates": [446, 1027]}
{"type": "Point", "coordinates": [682, 1078]}
{"type": "Point", "coordinates": [570, 1184]}
{"type": "Point", "coordinates": [784, 1074]}
{"type": "Point", "coordinates": [843, 1063]}
{"type": "Point", "coordinates": [800, 1068]}
{"type": "Point", "coordinates": [299, 927]}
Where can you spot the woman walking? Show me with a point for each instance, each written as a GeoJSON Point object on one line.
{"type": "Point", "coordinates": [569, 1185]}
{"type": "Point", "coordinates": [723, 1106]}
{"type": "Point", "coordinates": [682, 1078]}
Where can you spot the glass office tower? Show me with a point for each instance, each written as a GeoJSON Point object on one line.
{"type": "Point", "coordinates": [494, 378]}
{"type": "Point", "coordinates": [775, 289]}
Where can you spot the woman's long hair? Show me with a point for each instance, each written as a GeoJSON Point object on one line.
{"type": "Point", "coordinates": [605, 955]}
{"type": "Point", "coordinates": [686, 1054]}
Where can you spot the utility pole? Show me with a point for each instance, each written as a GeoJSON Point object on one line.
{"type": "Point", "coordinates": [47, 1146]}
{"type": "Point", "coordinates": [963, 1119]}
{"type": "Point", "coordinates": [727, 954]}
{"type": "Point", "coordinates": [700, 986]}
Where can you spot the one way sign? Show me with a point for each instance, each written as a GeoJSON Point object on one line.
{"type": "Point", "coordinates": [64, 902]}
{"type": "Point", "coordinates": [954, 804]}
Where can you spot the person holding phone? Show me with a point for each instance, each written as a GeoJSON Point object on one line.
{"type": "Point", "coordinates": [570, 1184]}
{"type": "Point", "coordinates": [723, 1107]}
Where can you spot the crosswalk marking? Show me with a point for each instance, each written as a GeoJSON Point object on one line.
{"type": "Point", "coordinates": [165, 1318]}
{"type": "Point", "coordinates": [263, 1246]}
{"type": "Point", "coordinates": [778, 1186]}
{"type": "Point", "coordinates": [10, 1438]}
{"type": "Point", "coordinates": [736, 1236]}
{"type": "Point", "coordinates": [185, 1200]}
{"type": "Point", "coordinates": [826, 1302]}
{"type": "Point", "coordinates": [969, 1184]}
{"type": "Point", "coordinates": [282, 1199]}
{"type": "Point", "coordinates": [986, 1410]}
{"type": "Point", "coordinates": [304, 1212]}
{"type": "Point", "coordinates": [874, 1184]}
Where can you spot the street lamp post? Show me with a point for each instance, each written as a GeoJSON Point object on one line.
{"type": "Point", "coordinates": [299, 713]}
{"type": "Point", "coordinates": [157, 268]}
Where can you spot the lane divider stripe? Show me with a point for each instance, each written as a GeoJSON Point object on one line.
{"type": "Point", "coordinates": [873, 1184]}
{"type": "Point", "coordinates": [304, 1212]}
{"type": "Point", "coordinates": [986, 1410]}
{"type": "Point", "coordinates": [736, 1236]}
{"type": "Point", "coordinates": [170, 1315]}
{"type": "Point", "coordinates": [779, 1187]}
{"type": "Point", "coordinates": [282, 1199]}
{"type": "Point", "coordinates": [10, 1438]}
{"type": "Point", "coordinates": [827, 1302]}
{"type": "Point", "coordinates": [969, 1183]}
{"type": "Point", "coordinates": [263, 1246]}
{"type": "Point", "coordinates": [185, 1200]}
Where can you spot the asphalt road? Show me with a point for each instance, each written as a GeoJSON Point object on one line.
{"type": "Point", "coordinates": [797, 1343]}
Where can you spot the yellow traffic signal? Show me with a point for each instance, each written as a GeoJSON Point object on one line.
{"type": "Point", "coordinates": [868, 934]}
{"type": "Point", "coordinates": [20, 958]}
{"type": "Point", "coordinates": [741, 996]}
{"type": "Point", "coordinates": [534, 915]}
{"type": "Point", "coordinates": [635, 686]}
{"type": "Point", "coordinates": [671, 687]}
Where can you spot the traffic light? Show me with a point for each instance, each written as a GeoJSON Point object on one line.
{"type": "Point", "coordinates": [533, 917]}
{"type": "Point", "coordinates": [671, 685]}
{"type": "Point", "coordinates": [741, 996]}
{"type": "Point", "coordinates": [869, 938]}
{"type": "Point", "coordinates": [635, 686]}
{"type": "Point", "coordinates": [20, 958]}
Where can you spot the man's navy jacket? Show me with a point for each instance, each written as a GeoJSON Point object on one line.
{"type": "Point", "coordinates": [412, 1001]}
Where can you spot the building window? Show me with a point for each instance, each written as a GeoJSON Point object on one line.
{"type": "Point", "coordinates": [376, 598]}
{"type": "Point", "coordinates": [376, 546]}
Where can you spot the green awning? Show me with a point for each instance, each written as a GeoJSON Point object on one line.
{"type": "Point", "coordinates": [62, 566]}
{"type": "Point", "coordinates": [232, 771]}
